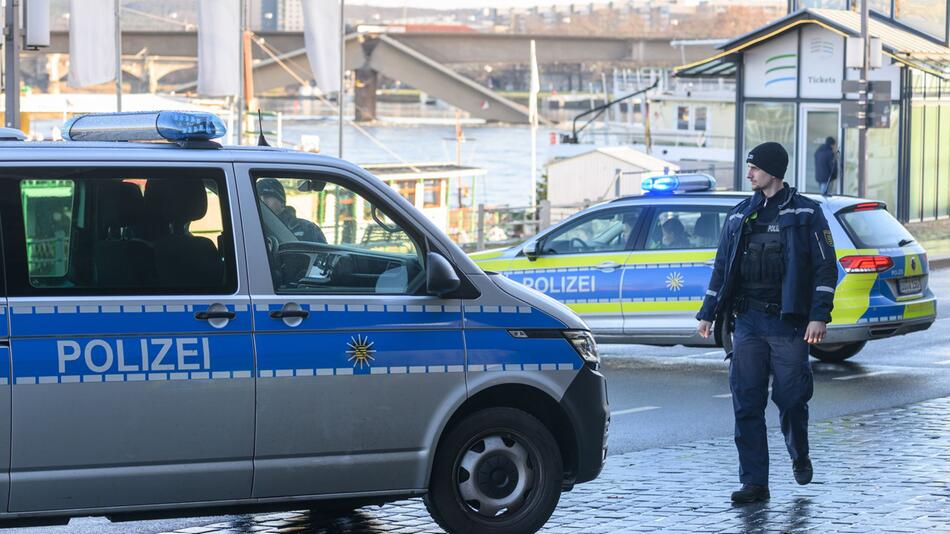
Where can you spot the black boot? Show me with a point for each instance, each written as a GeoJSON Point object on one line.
{"type": "Point", "coordinates": [802, 470]}
{"type": "Point", "coordinates": [750, 493]}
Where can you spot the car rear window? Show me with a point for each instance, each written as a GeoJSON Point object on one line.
{"type": "Point", "coordinates": [874, 228]}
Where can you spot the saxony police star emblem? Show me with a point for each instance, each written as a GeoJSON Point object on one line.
{"type": "Point", "coordinates": [360, 350]}
{"type": "Point", "coordinates": [674, 281]}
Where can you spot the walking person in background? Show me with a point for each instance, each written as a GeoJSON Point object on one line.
{"type": "Point", "coordinates": [826, 164]}
{"type": "Point", "coordinates": [775, 272]}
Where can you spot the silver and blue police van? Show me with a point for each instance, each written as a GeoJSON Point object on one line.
{"type": "Point", "coordinates": [172, 346]}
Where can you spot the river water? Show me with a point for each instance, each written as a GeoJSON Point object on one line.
{"type": "Point", "coordinates": [504, 151]}
{"type": "Point", "coordinates": [419, 133]}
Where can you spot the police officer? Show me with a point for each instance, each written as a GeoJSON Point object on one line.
{"type": "Point", "coordinates": [272, 194]}
{"type": "Point", "coordinates": [774, 274]}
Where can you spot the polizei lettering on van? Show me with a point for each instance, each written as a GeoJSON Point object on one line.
{"type": "Point", "coordinates": [585, 283]}
{"type": "Point", "coordinates": [131, 355]}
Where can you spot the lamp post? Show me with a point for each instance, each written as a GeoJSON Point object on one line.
{"type": "Point", "coordinates": [863, 127]}
{"type": "Point", "coordinates": [11, 76]}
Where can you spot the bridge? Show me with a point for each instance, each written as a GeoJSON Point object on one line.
{"type": "Point", "coordinates": [423, 60]}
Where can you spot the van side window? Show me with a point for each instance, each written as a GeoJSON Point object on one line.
{"type": "Point", "coordinates": [119, 231]}
{"type": "Point", "coordinates": [325, 238]}
{"type": "Point", "coordinates": [47, 211]}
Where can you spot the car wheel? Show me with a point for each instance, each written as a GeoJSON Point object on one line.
{"type": "Point", "coordinates": [498, 470]}
{"type": "Point", "coordinates": [837, 352]}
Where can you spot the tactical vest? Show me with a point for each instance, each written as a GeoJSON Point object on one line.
{"type": "Point", "coordinates": [762, 264]}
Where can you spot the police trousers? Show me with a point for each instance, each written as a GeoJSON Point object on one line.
{"type": "Point", "coordinates": [765, 345]}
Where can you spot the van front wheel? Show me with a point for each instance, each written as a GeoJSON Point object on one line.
{"type": "Point", "coordinates": [498, 470]}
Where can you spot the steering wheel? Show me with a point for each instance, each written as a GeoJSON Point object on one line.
{"type": "Point", "coordinates": [582, 246]}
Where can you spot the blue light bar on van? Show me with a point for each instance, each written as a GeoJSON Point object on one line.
{"type": "Point", "coordinates": [677, 183]}
{"type": "Point", "coordinates": [145, 126]}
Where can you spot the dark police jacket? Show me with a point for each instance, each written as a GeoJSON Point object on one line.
{"type": "Point", "coordinates": [811, 270]}
{"type": "Point", "coordinates": [826, 165]}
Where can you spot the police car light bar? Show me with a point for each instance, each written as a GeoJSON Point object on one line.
{"type": "Point", "coordinates": [145, 126]}
{"type": "Point", "coordinates": [677, 183]}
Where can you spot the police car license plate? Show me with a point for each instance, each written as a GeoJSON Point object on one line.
{"type": "Point", "coordinates": [908, 286]}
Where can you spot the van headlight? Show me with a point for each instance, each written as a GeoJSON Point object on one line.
{"type": "Point", "coordinates": [583, 342]}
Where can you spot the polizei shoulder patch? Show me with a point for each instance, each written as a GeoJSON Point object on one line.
{"type": "Point", "coordinates": [828, 238]}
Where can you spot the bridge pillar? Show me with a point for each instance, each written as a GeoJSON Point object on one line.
{"type": "Point", "coordinates": [151, 77]}
{"type": "Point", "coordinates": [367, 80]}
{"type": "Point", "coordinates": [54, 72]}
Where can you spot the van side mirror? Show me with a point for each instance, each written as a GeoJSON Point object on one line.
{"type": "Point", "coordinates": [441, 278]}
{"type": "Point", "coordinates": [533, 250]}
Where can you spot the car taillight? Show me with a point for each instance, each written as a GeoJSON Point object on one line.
{"type": "Point", "coordinates": [865, 206]}
{"type": "Point", "coordinates": [866, 264]}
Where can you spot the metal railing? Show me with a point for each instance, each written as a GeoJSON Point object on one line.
{"type": "Point", "coordinates": [504, 226]}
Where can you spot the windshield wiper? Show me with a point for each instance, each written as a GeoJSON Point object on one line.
{"type": "Point", "coordinates": [903, 242]}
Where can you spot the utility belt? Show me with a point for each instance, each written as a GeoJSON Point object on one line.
{"type": "Point", "coordinates": [744, 304]}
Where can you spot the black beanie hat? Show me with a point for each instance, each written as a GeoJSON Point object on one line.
{"type": "Point", "coordinates": [771, 157]}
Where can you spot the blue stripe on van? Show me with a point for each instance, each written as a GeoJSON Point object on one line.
{"type": "Point", "coordinates": [331, 353]}
{"type": "Point", "coordinates": [27, 320]}
{"type": "Point", "coordinates": [357, 316]}
{"type": "Point", "coordinates": [497, 347]}
{"type": "Point", "coordinates": [123, 359]}
{"type": "Point", "coordinates": [482, 316]}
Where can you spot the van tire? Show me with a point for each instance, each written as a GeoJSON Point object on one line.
{"type": "Point", "coordinates": [515, 443]}
{"type": "Point", "coordinates": [837, 352]}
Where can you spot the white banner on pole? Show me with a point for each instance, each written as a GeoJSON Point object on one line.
{"type": "Point", "coordinates": [321, 34]}
{"type": "Point", "coordinates": [219, 53]}
{"type": "Point", "coordinates": [533, 119]}
{"type": "Point", "coordinates": [91, 42]}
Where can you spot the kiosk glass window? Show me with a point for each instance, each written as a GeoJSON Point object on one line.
{"type": "Point", "coordinates": [916, 160]}
{"type": "Point", "coordinates": [943, 150]}
{"type": "Point", "coordinates": [769, 121]}
{"type": "Point", "coordinates": [883, 144]}
{"type": "Point", "coordinates": [928, 16]}
{"type": "Point", "coordinates": [820, 124]}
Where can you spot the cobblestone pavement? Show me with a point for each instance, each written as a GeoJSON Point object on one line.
{"type": "Point", "coordinates": [887, 471]}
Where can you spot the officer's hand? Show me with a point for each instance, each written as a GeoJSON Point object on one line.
{"type": "Point", "coordinates": [815, 332]}
{"type": "Point", "coordinates": [705, 328]}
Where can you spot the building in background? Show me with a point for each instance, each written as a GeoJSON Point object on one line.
{"type": "Point", "coordinates": [600, 173]}
{"type": "Point", "coordinates": [789, 89]}
{"type": "Point", "coordinates": [290, 15]}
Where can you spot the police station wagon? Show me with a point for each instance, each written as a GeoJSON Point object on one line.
{"type": "Point", "coordinates": [637, 268]}
{"type": "Point", "coordinates": [171, 346]}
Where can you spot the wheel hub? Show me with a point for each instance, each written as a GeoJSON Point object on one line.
{"type": "Point", "coordinates": [495, 475]}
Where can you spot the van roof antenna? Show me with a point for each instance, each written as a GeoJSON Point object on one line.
{"type": "Point", "coordinates": [261, 141]}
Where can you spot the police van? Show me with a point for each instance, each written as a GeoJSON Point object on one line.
{"type": "Point", "coordinates": [171, 347]}
{"type": "Point", "coordinates": [637, 268]}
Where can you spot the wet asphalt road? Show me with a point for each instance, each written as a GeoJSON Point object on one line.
{"type": "Point", "coordinates": [666, 395]}
{"type": "Point", "coordinates": [662, 396]}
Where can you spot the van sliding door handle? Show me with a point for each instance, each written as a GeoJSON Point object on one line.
{"type": "Point", "coordinates": [607, 266]}
{"type": "Point", "coordinates": [285, 314]}
{"type": "Point", "coordinates": [207, 315]}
